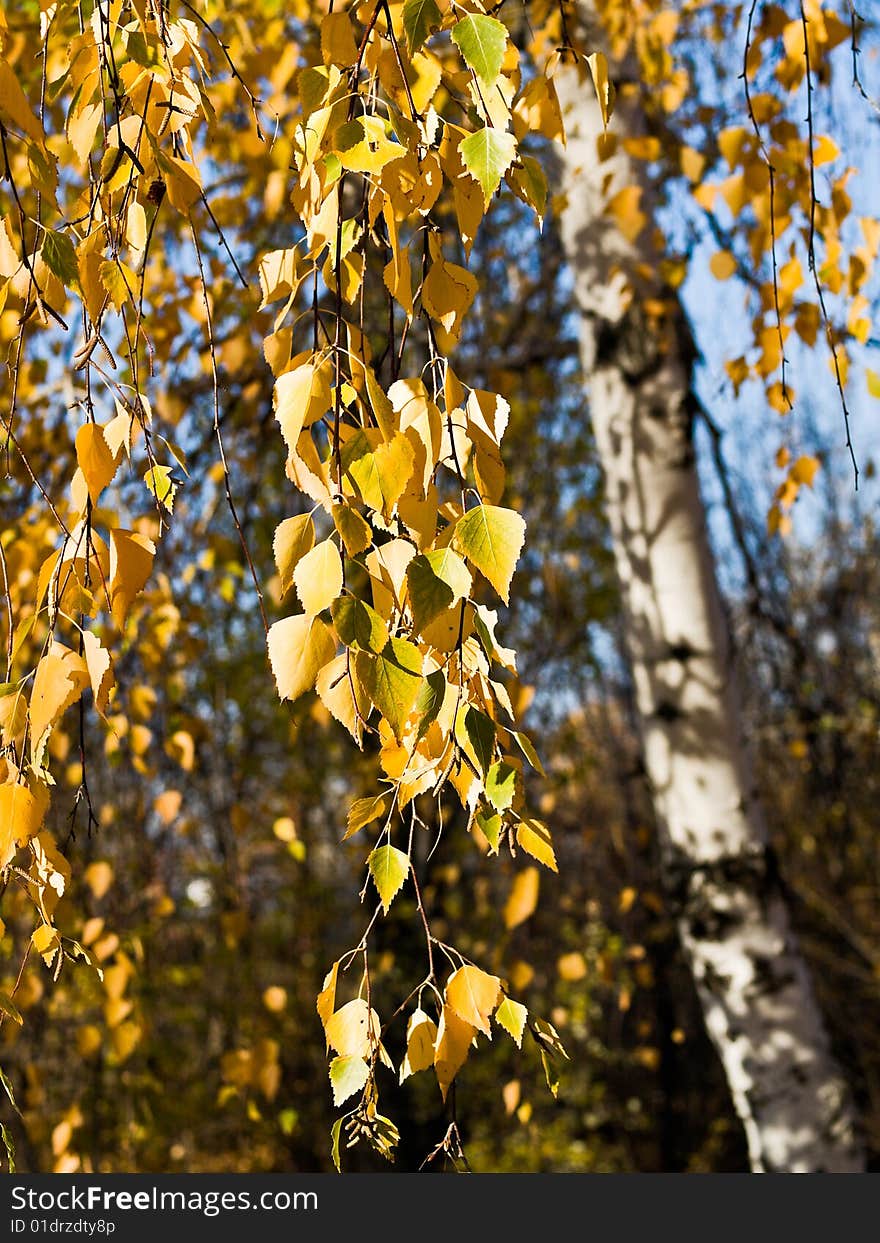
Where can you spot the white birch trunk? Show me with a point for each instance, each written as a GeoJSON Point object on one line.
{"type": "Point", "coordinates": [753, 984]}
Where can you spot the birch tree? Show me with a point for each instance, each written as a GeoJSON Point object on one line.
{"type": "Point", "coordinates": [638, 357]}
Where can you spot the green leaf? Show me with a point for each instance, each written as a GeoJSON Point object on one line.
{"type": "Point", "coordinates": [430, 700]}
{"type": "Point", "coordinates": [420, 17]}
{"type": "Point", "coordinates": [60, 257]}
{"type": "Point", "coordinates": [490, 826]}
{"type": "Point", "coordinates": [347, 1076]}
{"type": "Point", "coordinates": [512, 1015]}
{"type": "Point", "coordinates": [501, 785]}
{"type": "Point", "coordinates": [525, 745]}
{"type": "Point", "coordinates": [487, 155]}
{"type": "Point", "coordinates": [482, 42]}
{"type": "Point", "coordinates": [365, 810]}
{"type": "Point", "coordinates": [389, 868]}
{"type": "Point", "coordinates": [393, 680]}
{"type": "Point", "coordinates": [335, 1136]}
{"type": "Point", "coordinates": [492, 538]}
{"type": "Point", "coordinates": [529, 182]}
{"type": "Point", "coordinates": [436, 580]}
{"type": "Point", "coordinates": [358, 625]}
{"type": "Point", "coordinates": [480, 730]}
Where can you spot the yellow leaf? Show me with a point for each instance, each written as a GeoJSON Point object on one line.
{"type": "Point", "coordinates": [136, 226]}
{"type": "Point", "coordinates": [182, 182]}
{"type": "Point", "coordinates": [354, 530]}
{"type": "Point", "coordinates": [337, 40]}
{"type": "Point", "coordinates": [572, 966]}
{"type": "Point", "coordinates": [46, 942]}
{"type": "Point", "coordinates": [353, 1031]}
{"type": "Point", "coordinates": [535, 839]}
{"type": "Point", "coordinates": [603, 84]}
{"type": "Point", "coordinates": [294, 537]}
{"type": "Point", "coordinates": [14, 104]}
{"type": "Point", "coordinates": [326, 999]}
{"type": "Point", "coordinates": [512, 1015]}
{"type": "Point", "coordinates": [337, 684]}
{"type": "Point", "coordinates": [825, 150]}
{"type": "Point", "coordinates": [82, 127]}
{"type": "Point", "coordinates": [347, 1076]}
{"type": "Point", "coordinates": [61, 678]}
{"type": "Point", "coordinates": [21, 815]}
{"type": "Point", "coordinates": [421, 1035]}
{"type": "Point", "coordinates": [473, 995]}
{"type": "Point", "coordinates": [627, 213]}
{"type": "Point", "coordinates": [381, 472]}
{"type": "Point", "coordinates": [100, 670]}
{"type": "Point", "coordinates": [318, 577]}
{"type": "Point", "coordinates": [95, 458]}
{"type": "Point", "coordinates": [491, 538]}
{"type": "Point", "coordinates": [119, 281]}
{"type": "Point", "coordinates": [447, 293]}
{"type": "Point", "coordinates": [302, 396]}
{"type": "Point", "coordinates": [364, 810]}
{"type": "Point", "coordinates": [454, 1037]}
{"type": "Point", "coordinates": [722, 265]}
{"type": "Point", "coordinates": [523, 897]}
{"type": "Point", "coordinates": [131, 561]}
{"type": "Point", "coordinates": [99, 877]}
{"type": "Point", "coordinates": [275, 999]}
{"type": "Point", "coordinates": [804, 470]}
{"type": "Point", "coordinates": [299, 647]}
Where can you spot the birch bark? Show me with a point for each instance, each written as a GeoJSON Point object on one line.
{"type": "Point", "coordinates": [637, 356]}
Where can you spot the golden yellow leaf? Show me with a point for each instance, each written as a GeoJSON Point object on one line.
{"type": "Point", "coordinates": [61, 677]}
{"type": "Point", "coordinates": [21, 815]}
{"type": "Point", "coordinates": [302, 396]}
{"type": "Point", "coordinates": [353, 1030]}
{"type": "Point", "coordinates": [421, 1035]}
{"type": "Point", "coordinates": [535, 839]}
{"type": "Point", "coordinates": [14, 105]}
{"type": "Point", "coordinates": [337, 40]}
{"type": "Point", "coordinates": [523, 897]}
{"type": "Point", "coordinates": [299, 647]}
{"type": "Point", "coordinates": [131, 561]}
{"type": "Point", "coordinates": [337, 685]}
{"type": "Point", "coordinates": [100, 670]}
{"type": "Point", "coordinates": [473, 995]}
{"type": "Point", "coordinates": [572, 966]}
{"type": "Point", "coordinates": [275, 999]}
{"type": "Point", "coordinates": [99, 877]}
{"type": "Point", "coordinates": [804, 470]}
{"type": "Point", "coordinates": [318, 577]}
{"type": "Point", "coordinates": [454, 1037]}
{"type": "Point", "coordinates": [603, 84]}
{"type": "Point", "coordinates": [326, 999]}
{"type": "Point", "coordinates": [294, 537]}
{"type": "Point", "coordinates": [722, 265]}
{"type": "Point", "coordinates": [95, 459]}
